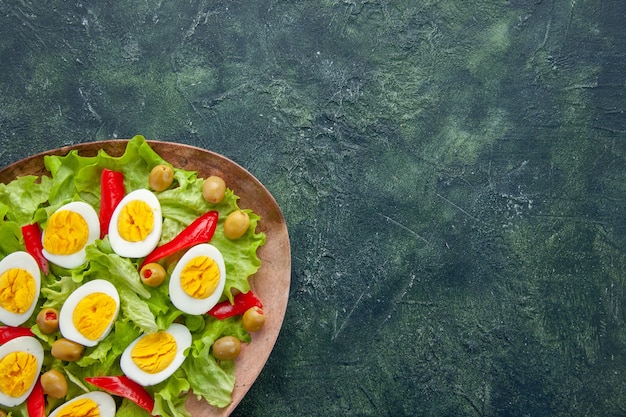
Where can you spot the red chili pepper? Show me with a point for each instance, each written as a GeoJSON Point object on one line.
{"type": "Point", "coordinates": [241, 303]}
{"type": "Point", "coordinates": [200, 231]}
{"type": "Point", "coordinates": [111, 193]}
{"type": "Point", "coordinates": [36, 403]}
{"type": "Point", "coordinates": [123, 386]}
{"type": "Point", "coordinates": [8, 333]}
{"type": "Point", "coordinates": [32, 241]}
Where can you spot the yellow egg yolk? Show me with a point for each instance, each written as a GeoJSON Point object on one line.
{"type": "Point", "coordinates": [66, 233]}
{"type": "Point", "coordinates": [200, 277]}
{"type": "Point", "coordinates": [18, 370]}
{"type": "Point", "coordinates": [17, 290]}
{"type": "Point", "coordinates": [93, 314]}
{"type": "Point", "coordinates": [136, 221]}
{"type": "Point", "coordinates": [154, 352]}
{"type": "Point", "coordinates": [83, 407]}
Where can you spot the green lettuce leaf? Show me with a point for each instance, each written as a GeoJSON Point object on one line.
{"type": "Point", "coordinates": [10, 238]}
{"type": "Point", "coordinates": [22, 197]}
{"type": "Point", "coordinates": [130, 409]}
{"type": "Point", "coordinates": [56, 290]}
{"type": "Point", "coordinates": [168, 401]}
{"type": "Point", "coordinates": [215, 385]}
{"type": "Point", "coordinates": [117, 269]}
{"type": "Point", "coordinates": [102, 358]}
{"type": "Point", "coordinates": [63, 170]}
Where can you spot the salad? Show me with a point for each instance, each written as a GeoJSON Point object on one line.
{"type": "Point", "coordinates": [139, 317]}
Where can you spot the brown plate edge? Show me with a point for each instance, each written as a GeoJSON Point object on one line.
{"type": "Point", "coordinates": [253, 195]}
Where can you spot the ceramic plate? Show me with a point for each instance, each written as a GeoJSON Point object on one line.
{"type": "Point", "coordinates": [272, 280]}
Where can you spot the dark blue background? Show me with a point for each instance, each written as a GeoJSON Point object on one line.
{"type": "Point", "coordinates": [452, 174]}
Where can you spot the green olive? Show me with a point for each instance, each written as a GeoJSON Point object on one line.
{"type": "Point", "coordinates": [213, 189]}
{"type": "Point", "coordinates": [67, 350]}
{"type": "Point", "coordinates": [236, 224]}
{"type": "Point", "coordinates": [253, 319]}
{"type": "Point", "coordinates": [152, 274]}
{"type": "Point", "coordinates": [48, 320]}
{"type": "Point", "coordinates": [161, 177]}
{"type": "Point", "coordinates": [54, 384]}
{"type": "Point", "coordinates": [226, 348]}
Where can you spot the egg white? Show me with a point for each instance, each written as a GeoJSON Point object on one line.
{"type": "Point", "coordinates": [106, 403]}
{"type": "Point", "coordinates": [183, 340]}
{"type": "Point", "coordinates": [93, 224]}
{"type": "Point", "coordinates": [21, 344]}
{"type": "Point", "coordinates": [141, 248]}
{"type": "Point", "coordinates": [66, 324]}
{"type": "Point", "coordinates": [180, 298]}
{"type": "Point", "coordinates": [25, 261]}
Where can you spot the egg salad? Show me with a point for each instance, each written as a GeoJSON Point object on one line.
{"type": "Point", "coordinates": [95, 311]}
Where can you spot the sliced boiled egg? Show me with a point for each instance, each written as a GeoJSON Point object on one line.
{"type": "Point", "coordinates": [20, 283]}
{"type": "Point", "coordinates": [197, 282]}
{"type": "Point", "coordinates": [153, 357]}
{"type": "Point", "coordinates": [94, 403]}
{"type": "Point", "coordinates": [68, 231]}
{"type": "Point", "coordinates": [135, 227]}
{"type": "Point", "coordinates": [20, 364]}
{"type": "Point", "coordinates": [89, 313]}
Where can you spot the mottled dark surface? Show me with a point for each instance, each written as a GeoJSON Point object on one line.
{"type": "Point", "coordinates": [452, 174]}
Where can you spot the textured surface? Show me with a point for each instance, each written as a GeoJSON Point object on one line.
{"type": "Point", "coordinates": [452, 175]}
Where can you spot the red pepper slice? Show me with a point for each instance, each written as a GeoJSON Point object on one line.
{"type": "Point", "coordinates": [36, 403]}
{"type": "Point", "coordinates": [241, 303]}
{"type": "Point", "coordinates": [123, 386]}
{"type": "Point", "coordinates": [32, 241]}
{"type": "Point", "coordinates": [8, 333]}
{"type": "Point", "coordinates": [200, 231]}
{"type": "Point", "coordinates": [111, 193]}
